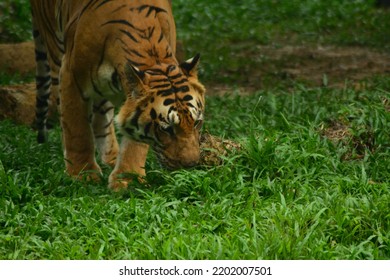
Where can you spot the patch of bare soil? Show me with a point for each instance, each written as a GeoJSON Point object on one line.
{"type": "Point", "coordinates": [266, 67]}
{"type": "Point", "coordinates": [17, 102]}
{"type": "Point", "coordinates": [338, 64]}
{"type": "Point", "coordinates": [332, 66]}
{"type": "Point", "coordinates": [17, 58]}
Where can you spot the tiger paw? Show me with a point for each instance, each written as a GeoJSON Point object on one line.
{"type": "Point", "coordinates": [121, 181]}
{"type": "Point", "coordinates": [88, 173]}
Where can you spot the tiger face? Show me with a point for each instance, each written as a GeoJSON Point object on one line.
{"type": "Point", "coordinates": [164, 108]}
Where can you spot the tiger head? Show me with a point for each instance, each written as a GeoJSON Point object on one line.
{"type": "Point", "coordinates": [164, 108]}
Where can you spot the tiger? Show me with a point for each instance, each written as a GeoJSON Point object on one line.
{"type": "Point", "coordinates": [112, 64]}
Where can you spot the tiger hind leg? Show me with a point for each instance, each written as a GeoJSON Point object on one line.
{"type": "Point", "coordinates": [77, 132]}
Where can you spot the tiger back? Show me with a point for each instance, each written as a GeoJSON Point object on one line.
{"type": "Point", "coordinates": [98, 55]}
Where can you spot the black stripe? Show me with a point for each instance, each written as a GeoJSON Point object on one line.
{"type": "Point", "coordinates": [35, 34]}
{"type": "Point", "coordinates": [151, 9]}
{"type": "Point", "coordinates": [55, 60]}
{"type": "Point", "coordinates": [172, 108]}
{"type": "Point", "coordinates": [119, 8]}
{"type": "Point", "coordinates": [47, 86]}
{"type": "Point", "coordinates": [128, 34]}
{"type": "Point", "coordinates": [160, 80]}
{"type": "Point", "coordinates": [165, 93]}
{"type": "Point", "coordinates": [151, 31]}
{"type": "Point", "coordinates": [42, 81]}
{"type": "Point", "coordinates": [168, 101]}
{"type": "Point", "coordinates": [146, 138]}
{"type": "Point", "coordinates": [86, 7]}
{"type": "Point", "coordinates": [123, 22]}
{"type": "Point", "coordinates": [156, 72]}
{"type": "Point", "coordinates": [115, 79]}
{"type": "Point", "coordinates": [40, 56]}
{"type": "Point", "coordinates": [147, 128]}
{"type": "Point", "coordinates": [108, 124]}
{"type": "Point", "coordinates": [42, 103]}
{"type": "Point", "coordinates": [187, 98]}
{"type": "Point", "coordinates": [170, 68]}
{"type": "Point", "coordinates": [153, 114]}
{"type": "Point", "coordinates": [160, 86]}
{"type": "Point", "coordinates": [182, 81]}
{"type": "Point", "coordinates": [95, 88]}
{"type": "Point", "coordinates": [136, 64]}
{"type": "Point", "coordinates": [100, 105]}
{"type": "Point", "coordinates": [55, 81]}
{"type": "Point", "coordinates": [107, 110]}
{"type": "Point", "coordinates": [176, 76]}
{"type": "Point", "coordinates": [60, 21]}
{"type": "Point", "coordinates": [102, 3]}
{"type": "Point", "coordinates": [161, 37]}
{"type": "Point", "coordinates": [85, 99]}
{"type": "Point", "coordinates": [181, 89]}
{"type": "Point", "coordinates": [129, 131]}
{"type": "Point", "coordinates": [102, 135]}
{"type": "Point", "coordinates": [137, 53]}
{"type": "Point", "coordinates": [134, 119]}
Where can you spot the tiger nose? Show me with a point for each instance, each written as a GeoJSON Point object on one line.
{"type": "Point", "coordinates": [190, 159]}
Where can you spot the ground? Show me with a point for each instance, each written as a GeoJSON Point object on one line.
{"type": "Point", "coordinates": [314, 65]}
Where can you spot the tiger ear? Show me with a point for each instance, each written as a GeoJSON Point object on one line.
{"type": "Point", "coordinates": [136, 79]}
{"type": "Point", "coordinates": [133, 74]}
{"type": "Point", "coordinates": [190, 66]}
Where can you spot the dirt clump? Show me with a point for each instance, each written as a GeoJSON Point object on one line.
{"type": "Point", "coordinates": [17, 102]}
{"type": "Point", "coordinates": [17, 58]}
{"type": "Point", "coordinates": [214, 148]}
{"type": "Point", "coordinates": [354, 144]}
{"type": "Point", "coordinates": [313, 65]}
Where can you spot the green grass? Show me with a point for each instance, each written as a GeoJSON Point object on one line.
{"type": "Point", "coordinates": [292, 192]}
{"type": "Point", "coordinates": [289, 194]}
{"type": "Point", "coordinates": [235, 28]}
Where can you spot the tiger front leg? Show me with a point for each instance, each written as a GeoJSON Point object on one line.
{"type": "Point", "coordinates": [77, 133]}
{"type": "Point", "coordinates": [131, 161]}
{"type": "Point", "coordinates": [104, 131]}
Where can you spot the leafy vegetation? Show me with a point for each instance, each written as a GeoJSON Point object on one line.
{"type": "Point", "coordinates": [311, 181]}
{"type": "Point", "coordinates": [11, 12]}
{"type": "Point", "coordinates": [290, 194]}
